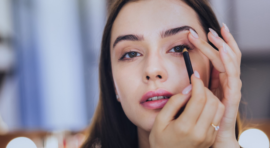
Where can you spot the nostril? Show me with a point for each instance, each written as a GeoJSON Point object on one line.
{"type": "Point", "coordinates": [147, 77]}
{"type": "Point", "coordinates": [159, 76]}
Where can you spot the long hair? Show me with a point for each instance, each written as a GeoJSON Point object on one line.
{"type": "Point", "coordinates": [110, 127]}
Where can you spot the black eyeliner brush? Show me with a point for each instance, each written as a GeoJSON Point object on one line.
{"type": "Point", "coordinates": [188, 63]}
{"type": "Point", "coordinates": [190, 72]}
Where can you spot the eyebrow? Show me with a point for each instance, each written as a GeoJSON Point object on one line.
{"type": "Point", "coordinates": [174, 31]}
{"type": "Point", "coordinates": [129, 37]}
{"type": "Point", "coordinates": [164, 34]}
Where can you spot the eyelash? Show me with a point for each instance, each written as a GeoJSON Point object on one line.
{"type": "Point", "coordinates": [181, 47]}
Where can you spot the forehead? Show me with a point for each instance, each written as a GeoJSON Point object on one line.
{"type": "Point", "coordinates": [149, 17]}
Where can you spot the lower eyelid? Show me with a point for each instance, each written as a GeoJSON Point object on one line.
{"type": "Point", "coordinates": [177, 53]}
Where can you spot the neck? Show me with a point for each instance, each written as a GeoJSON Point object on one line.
{"type": "Point", "coordinates": [143, 138]}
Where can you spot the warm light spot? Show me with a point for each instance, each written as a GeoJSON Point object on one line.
{"type": "Point", "coordinates": [51, 142]}
{"type": "Point", "coordinates": [253, 138]}
{"type": "Point", "coordinates": [21, 142]}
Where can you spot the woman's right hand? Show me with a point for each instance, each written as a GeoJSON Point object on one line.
{"type": "Point", "coordinates": [193, 128]}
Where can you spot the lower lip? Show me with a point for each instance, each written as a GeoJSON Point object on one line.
{"type": "Point", "coordinates": [157, 104]}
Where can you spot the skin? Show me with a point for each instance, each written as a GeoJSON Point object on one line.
{"type": "Point", "coordinates": [157, 128]}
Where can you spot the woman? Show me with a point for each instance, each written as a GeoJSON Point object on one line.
{"type": "Point", "coordinates": [140, 61]}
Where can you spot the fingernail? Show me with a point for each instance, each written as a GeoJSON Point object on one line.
{"type": "Point", "coordinates": [213, 32]}
{"type": "Point", "coordinates": [196, 74]}
{"type": "Point", "coordinates": [194, 34]}
{"type": "Point", "coordinates": [187, 89]}
{"type": "Point", "coordinates": [225, 48]}
{"type": "Point", "coordinates": [226, 27]}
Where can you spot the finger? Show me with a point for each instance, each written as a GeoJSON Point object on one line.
{"type": "Point", "coordinates": [207, 50]}
{"type": "Point", "coordinates": [208, 113]}
{"type": "Point", "coordinates": [218, 116]}
{"type": "Point", "coordinates": [231, 69]}
{"type": "Point", "coordinates": [229, 39]}
{"type": "Point", "coordinates": [174, 104]}
{"type": "Point", "coordinates": [216, 121]}
{"type": "Point", "coordinates": [218, 42]}
{"type": "Point", "coordinates": [196, 103]}
{"type": "Point", "coordinates": [231, 101]}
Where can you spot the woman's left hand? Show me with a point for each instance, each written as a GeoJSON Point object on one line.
{"type": "Point", "coordinates": [225, 80]}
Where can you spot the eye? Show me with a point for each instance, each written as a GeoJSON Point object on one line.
{"type": "Point", "coordinates": [179, 48]}
{"type": "Point", "coordinates": [130, 55]}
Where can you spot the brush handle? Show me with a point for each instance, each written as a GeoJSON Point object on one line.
{"type": "Point", "coordinates": [188, 65]}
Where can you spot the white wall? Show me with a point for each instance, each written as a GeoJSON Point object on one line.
{"type": "Point", "coordinates": [61, 68]}
{"type": "Point", "coordinates": [250, 21]}
{"type": "Point", "coordinates": [253, 25]}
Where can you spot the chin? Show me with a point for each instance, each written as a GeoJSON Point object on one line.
{"type": "Point", "coordinates": [148, 124]}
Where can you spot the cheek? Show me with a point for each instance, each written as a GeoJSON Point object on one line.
{"type": "Point", "coordinates": [127, 80]}
{"type": "Point", "coordinates": [177, 74]}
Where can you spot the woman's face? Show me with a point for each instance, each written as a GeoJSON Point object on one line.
{"type": "Point", "coordinates": [149, 30]}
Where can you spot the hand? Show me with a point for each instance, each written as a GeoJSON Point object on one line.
{"type": "Point", "coordinates": [192, 129]}
{"type": "Point", "coordinates": [225, 82]}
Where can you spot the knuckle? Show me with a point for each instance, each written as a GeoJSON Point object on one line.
{"type": "Point", "coordinates": [183, 129]}
{"type": "Point", "coordinates": [202, 42]}
{"type": "Point", "coordinates": [199, 139]}
{"type": "Point", "coordinates": [240, 54]}
{"type": "Point", "coordinates": [238, 99]}
{"type": "Point", "coordinates": [221, 107]}
{"type": "Point", "coordinates": [201, 99]}
{"type": "Point", "coordinates": [210, 141]}
{"type": "Point", "coordinates": [240, 83]}
{"type": "Point", "coordinates": [235, 74]}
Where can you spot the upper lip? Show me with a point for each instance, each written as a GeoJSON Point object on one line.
{"type": "Point", "coordinates": [159, 92]}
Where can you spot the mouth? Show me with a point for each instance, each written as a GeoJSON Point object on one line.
{"type": "Point", "coordinates": [155, 99]}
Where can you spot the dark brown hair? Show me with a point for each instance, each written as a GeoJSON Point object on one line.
{"type": "Point", "coordinates": [110, 127]}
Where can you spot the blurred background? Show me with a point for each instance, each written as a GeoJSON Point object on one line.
{"type": "Point", "coordinates": [49, 52]}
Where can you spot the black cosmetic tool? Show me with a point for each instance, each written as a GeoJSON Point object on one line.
{"type": "Point", "coordinates": [188, 63]}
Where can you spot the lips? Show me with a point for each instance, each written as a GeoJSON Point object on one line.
{"type": "Point", "coordinates": [159, 92]}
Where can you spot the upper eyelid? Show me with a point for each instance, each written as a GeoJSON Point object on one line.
{"type": "Point", "coordinates": [142, 54]}
{"type": "Point", "coordinates": [170, 48]}
{"type": "Point", "coordinates": [123, 56]}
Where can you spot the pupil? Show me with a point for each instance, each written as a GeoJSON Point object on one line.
{"type": "Point", "coordinates": [178, 49]}
{"type": "Point", "coordinates": [132, 54]}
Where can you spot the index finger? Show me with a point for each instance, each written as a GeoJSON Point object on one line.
{"type": "Point", "coordinates": [197, 101]}
{"type": "Point", "coordinates": [207, 50]}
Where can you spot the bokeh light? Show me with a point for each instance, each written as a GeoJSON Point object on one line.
{"type": "Point", "coordinates": [21, 142]}
{"type": "Point", "coordinates": [51, 142]}
{"type": "Point", "coordinates": [254, 138]}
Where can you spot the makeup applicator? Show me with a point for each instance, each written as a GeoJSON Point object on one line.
{"type": "Point", "coordinates": [188, 63]}
{"type": "Point", "coordinates": [190, 72]}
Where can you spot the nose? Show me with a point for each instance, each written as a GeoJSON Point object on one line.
{"type": "Point", "coordinates": [155, 70]}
